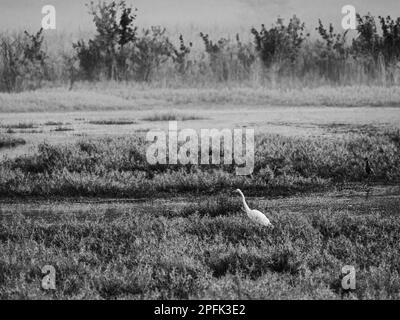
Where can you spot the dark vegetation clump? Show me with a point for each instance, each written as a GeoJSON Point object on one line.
{"type": "Point", "coordinates": [7, 141]}
{"type": "Point", "coordinates": [23, 62]}
{"type": "Point", "coordinates": [112, 122]}
{"type": "Point", "coordinates": [118, 167]}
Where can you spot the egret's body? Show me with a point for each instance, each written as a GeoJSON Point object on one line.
{"type": "Point", "coordinates": [255, 215]}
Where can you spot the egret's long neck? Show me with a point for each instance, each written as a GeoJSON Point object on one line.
{"type": "Point", "coordinates": [246, 207]}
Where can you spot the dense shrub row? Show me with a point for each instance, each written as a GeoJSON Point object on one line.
{"type": "Point", "coordinates": [283, 54]}
{"type": "Point", "coordinates": [118, 168]}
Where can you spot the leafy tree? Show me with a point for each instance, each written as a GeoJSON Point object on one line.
{"type": "Point", "coordinates": [180, 55]}
{"type": "Point", "coordinates": [281, 43]}
{"type": "Point", "coordinates": [23, 62]}
{"type": "Point", "coordinates": [151, 50]}
{"type": "Point", "coordinates": [115, 31]}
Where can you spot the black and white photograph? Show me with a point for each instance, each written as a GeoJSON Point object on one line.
{"type": "Point", "coordinates": [187, 150]}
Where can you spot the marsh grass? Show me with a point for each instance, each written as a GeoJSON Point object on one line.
{"type": "Point", "coordinates": [118, 96]}
{"type": "Point", "coordinates": [112, 122]}
{"type": "Point", "coordinates": [21, 125]}
{"type": "Point", "coordinates": [221, 205]}
{"type": "Point", "coordinates": [117, 167]}
{"type": "Point", "coordinates": [62, 129]}
{"type": "Point", "coordinates": [351, 128]}
{"type": "Point", "coordinates": [10, 142]}
{"type": "Point", "coordinates": [172, 117]}
{"type": "Point", "coordinates": [53, 123]}
{"type": "Point", "coordinates": [144, 252]}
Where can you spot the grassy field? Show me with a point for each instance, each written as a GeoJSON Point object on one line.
{"type": "Point", "coordinates": [79, 194]}
{"type": "Point", "coordinates": [201, 248]}
{"type": "Point", "coordinates": [115, 96]}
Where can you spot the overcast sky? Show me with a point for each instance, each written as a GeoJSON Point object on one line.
{"type": "Point", "coordinates": [72, 14]}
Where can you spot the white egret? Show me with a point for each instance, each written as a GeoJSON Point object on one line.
{"type": "Point", "coordinates": [255, 215]}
